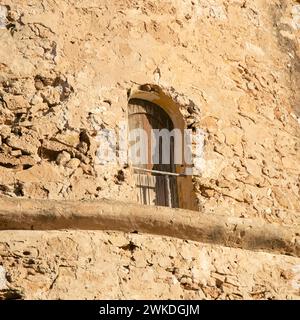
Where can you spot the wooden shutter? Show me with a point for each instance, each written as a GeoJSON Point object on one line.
{"type": "Point", "coordinates": [153, 188]}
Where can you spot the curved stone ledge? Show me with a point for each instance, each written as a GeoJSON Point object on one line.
{"type": "Point", "coordinates": [254, 234]}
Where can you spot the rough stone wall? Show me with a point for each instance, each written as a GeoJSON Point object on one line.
{"type": "Point", "coordinates": [233, 66]}
{"type": "Point", "coordinates": [66, 68]}
{"type": "Point", "coordinates": [98, 265]}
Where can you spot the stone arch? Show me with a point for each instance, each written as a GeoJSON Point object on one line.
{"type": "Point", "coordinates": [158, 96]}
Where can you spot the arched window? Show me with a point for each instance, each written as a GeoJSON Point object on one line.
{"type": "Point", "coordinates": [164, 183]}
{"type": "Point", "coordinates": [154, 170]}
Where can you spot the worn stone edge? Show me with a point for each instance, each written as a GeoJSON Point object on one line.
{"type": "Point", "coordinates": [109, 215]}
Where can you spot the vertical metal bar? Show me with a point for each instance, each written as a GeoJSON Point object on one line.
{"type": "Point", "coordinates": [169, 196]}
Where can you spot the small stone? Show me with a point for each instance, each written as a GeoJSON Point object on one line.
{"type": "Point", "coordinates": [251, 86]}
{"type": "Point", "coordinates": [63, 158]}
{"type": "Point", "coordinates": [83, 147]}
{"type": "Point", "coordinates": [73, 164]}
{"type": "Point", "coordinates": [268, 210]}
{"type": "Point", "coordinates": [5, 131]}
{"type": "Point", "coordinates": [186, 281]}
{"type": "Point", "coordinates": [16, 153]}
{"type": "Point", "coordinates": [287, 274]}
{"type": "Point", "coordinates": [36, 99]}
{"type": "Point", "coordinates": [38, 84]}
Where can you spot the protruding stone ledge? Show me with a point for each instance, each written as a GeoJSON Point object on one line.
{"type": "Point", "coordinates": [254, 234]}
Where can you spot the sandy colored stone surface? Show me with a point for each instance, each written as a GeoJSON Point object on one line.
{"type": "Point", "coordinates": [66, 70]}
{"type": "Point", "coordinates": [233, 66]}
{"type": "Point", "coordinates": [98, 265]}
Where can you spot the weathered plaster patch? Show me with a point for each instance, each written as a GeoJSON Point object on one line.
{"type": "Point", "coordinates": [2, 278]}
